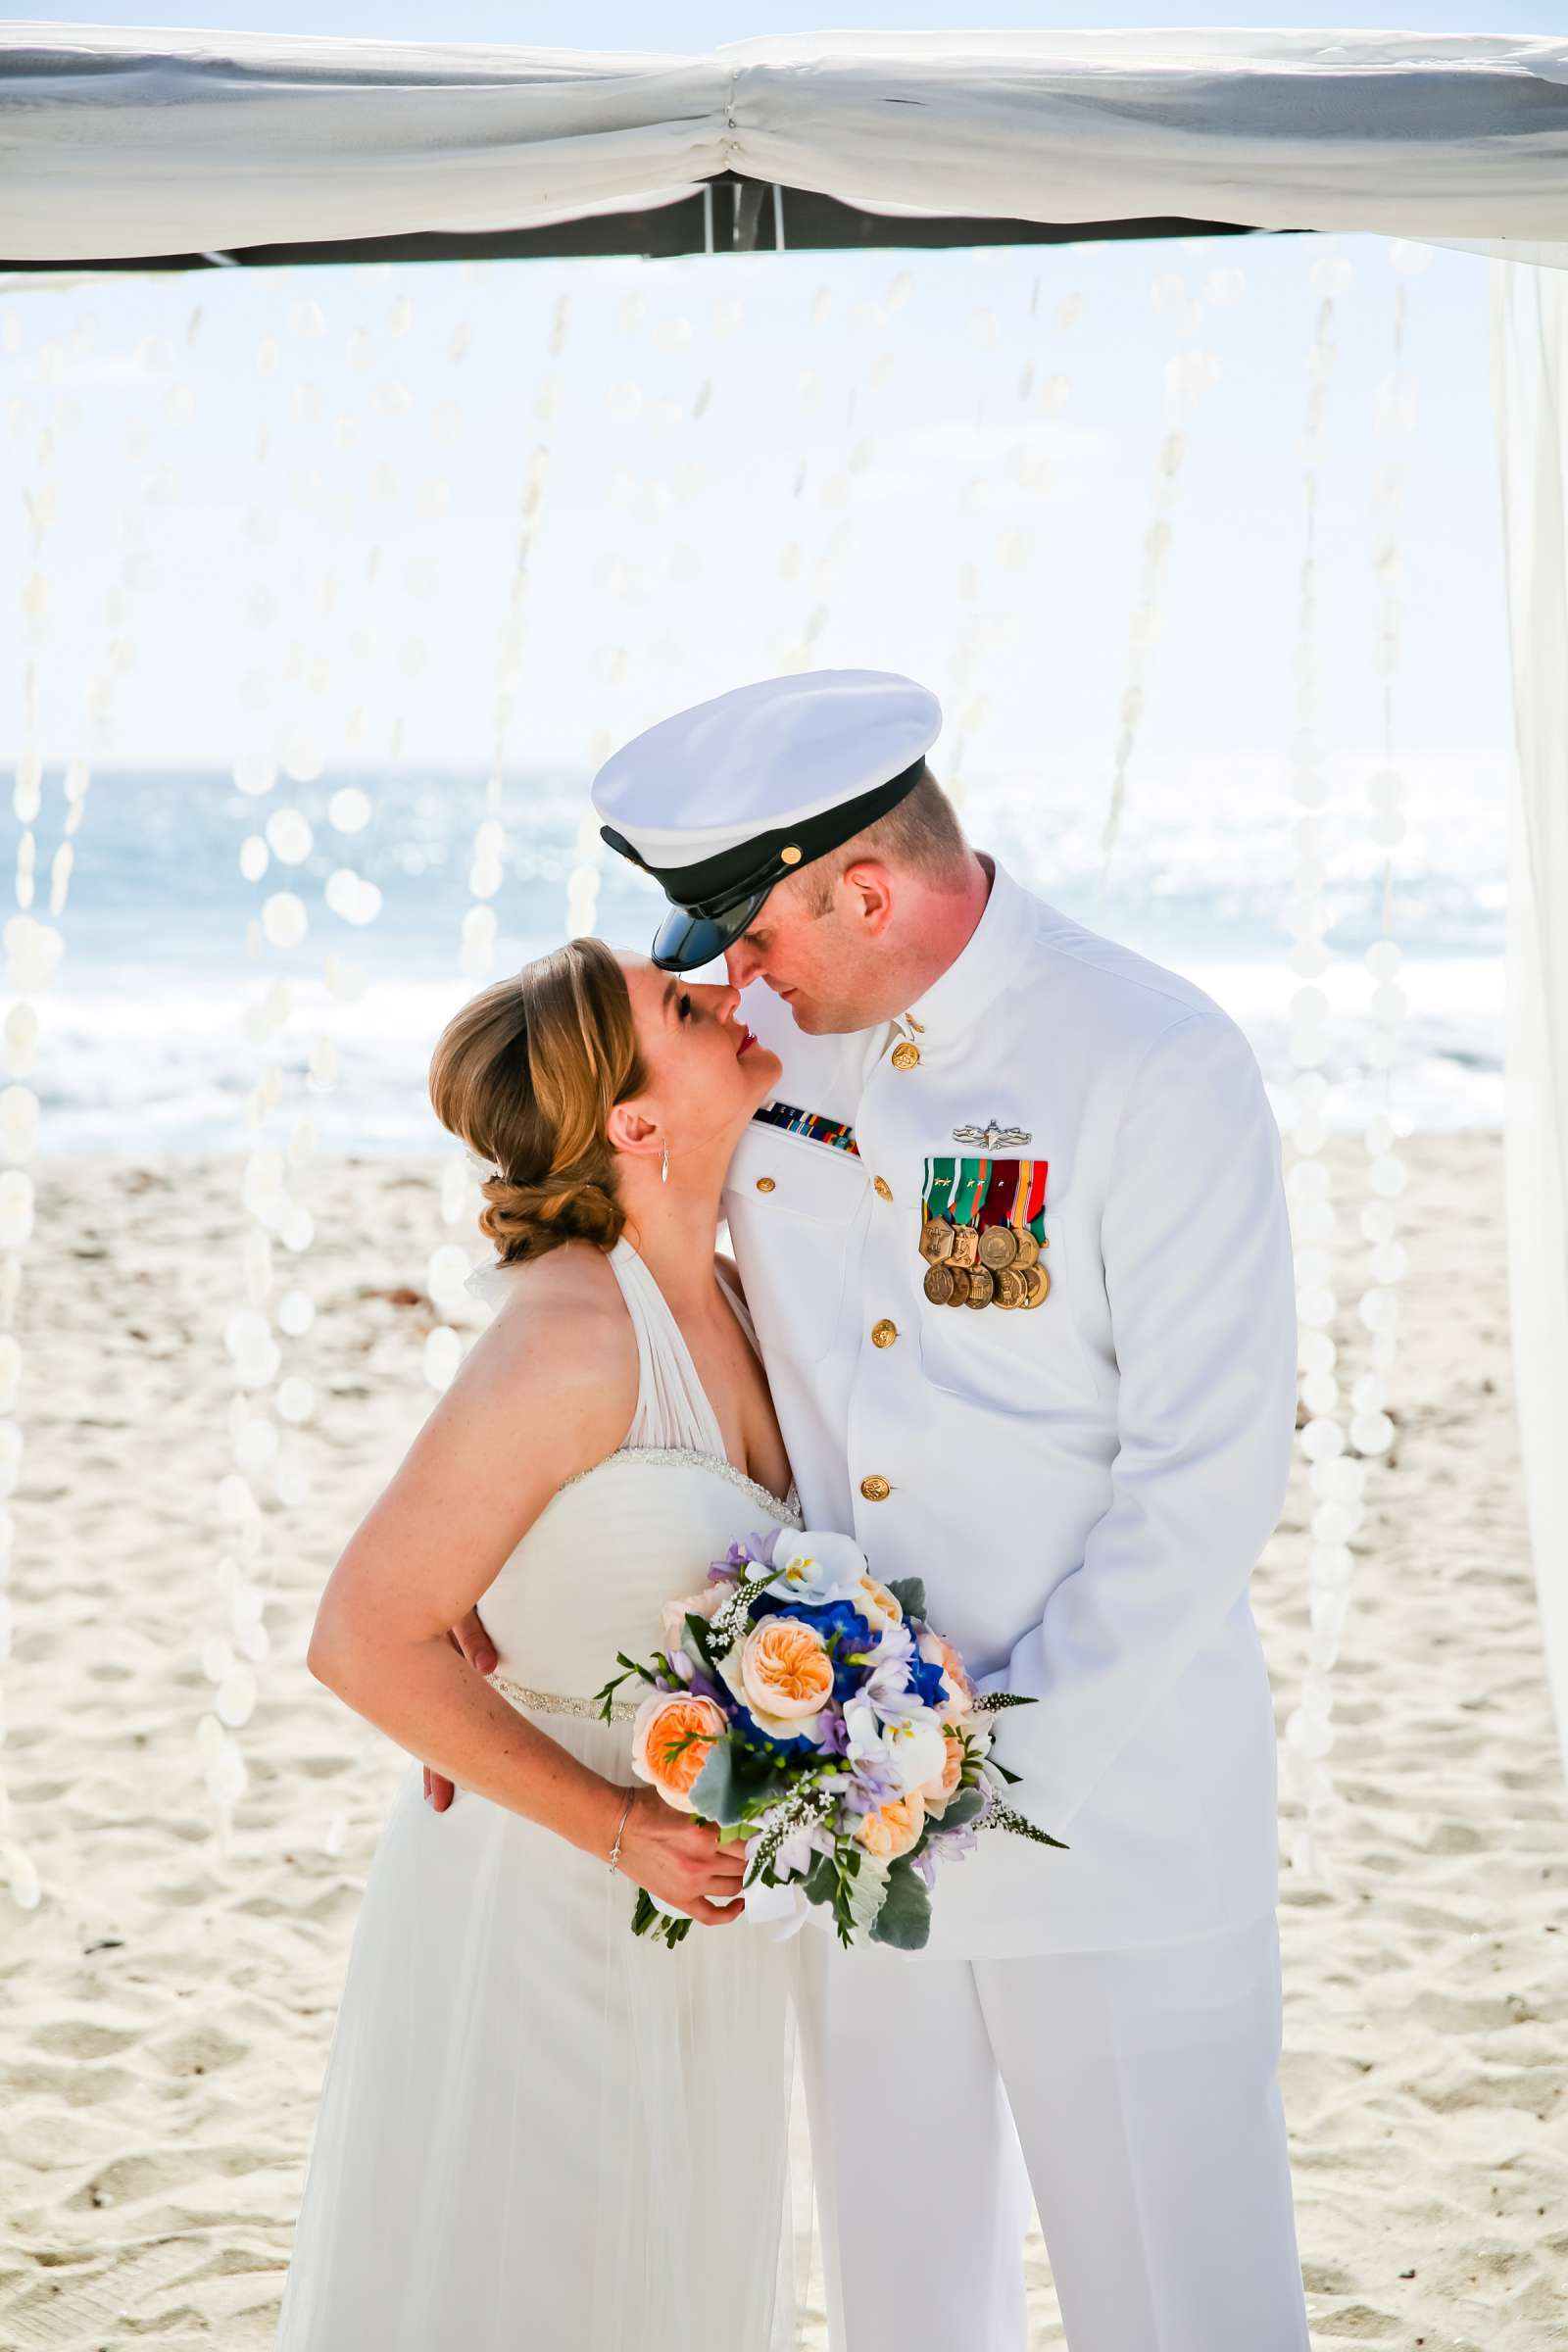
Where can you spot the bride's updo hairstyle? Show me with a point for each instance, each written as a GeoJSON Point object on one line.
{"type": "Point", "coordinates": [526, 1075]}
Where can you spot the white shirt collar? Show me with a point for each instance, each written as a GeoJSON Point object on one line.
{"type": "Point", "coordinates": [989, 961]}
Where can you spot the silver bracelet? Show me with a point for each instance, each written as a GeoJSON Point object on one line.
{"type": "Point", "coordinates": [615, 1851]}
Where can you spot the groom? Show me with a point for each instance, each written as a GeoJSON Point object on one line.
{"type": "Point", "coordinates": [1013, 1236]}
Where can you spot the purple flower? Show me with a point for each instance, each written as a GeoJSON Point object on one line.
{"type": "Point", "coordinates": [870, 1785]}
{"type": "Point", "coordinates": [944, 1845]}
{"type": "Point", "coordinates": [832, 1736]}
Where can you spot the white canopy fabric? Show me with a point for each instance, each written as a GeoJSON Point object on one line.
{"type": "Point", "coordinates": [134, 144]}
{"type": "Point", "coordinates": [118, 144]}
{"type": "Point", "coordinates": [1530, 349]}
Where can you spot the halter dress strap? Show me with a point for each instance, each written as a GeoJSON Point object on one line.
{"type": "Point", "coordinates": [673, 1406]}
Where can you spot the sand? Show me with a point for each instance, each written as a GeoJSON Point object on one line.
{"type": "Point", "coordinates": [165, 2012]}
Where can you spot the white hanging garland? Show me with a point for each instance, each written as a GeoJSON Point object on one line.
{"type": "Point", "coordinates": [1342, 1441]}
{"type": "Point", "coordinates": [1189, 373]}
{"type": "Point", "coordinates": [449, 1264]}
{"type": "Point", "coordinates": [1310, 1728]}
{"type": "Point", "coordinates": [33, 950]}
{"type": "Point", "coordinates": [273, 1173]}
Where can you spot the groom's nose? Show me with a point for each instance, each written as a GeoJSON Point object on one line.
{"type": "Point", "coordinates": [743, 963]}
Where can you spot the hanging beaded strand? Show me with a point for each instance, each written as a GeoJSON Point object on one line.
{"type": "Point", "coordinates": [33, 950]}
{"type": "Point", "coordinates": [1189, 373]}
{"type": "Point", "coordinates": [450, 1262]}
{"type": "Point", "coordinates": [298, 679]}
{"type": "Point", "coordinates": [1372, 1431]}
{"type": "Point", "coordinates": [1310, 1728]}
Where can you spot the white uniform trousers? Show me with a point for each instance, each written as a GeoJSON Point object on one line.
{"type": "Point", "coordinates": [1135, 2091]}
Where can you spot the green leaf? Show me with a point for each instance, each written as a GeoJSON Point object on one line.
{"type": "Point", "coordinates": [696, 1626]}
{"type": "Point", "coordinates": [867, 1890]}
{"type": "Point", "coordinates": [960, 1809]}
{"type": "Point", "coordinates": [904, 1919]}
{"type": "Point", "coordinates": [717, 1793]}
{"type": "Point", "coordinates": [909, 1593]}
{"type": "Point", "coordinates": [821, 1880]}
{"type": "Point", "coordinates": [606, 1695]}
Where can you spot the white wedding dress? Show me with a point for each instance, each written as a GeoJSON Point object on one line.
{"type": "Point", "coordinates": [539, 2133]}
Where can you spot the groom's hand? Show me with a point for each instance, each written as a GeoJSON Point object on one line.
{"type": "Point", "coordinates": [475, 1644]}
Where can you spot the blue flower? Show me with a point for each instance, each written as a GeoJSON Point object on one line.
{"type": "Point", "coordinates": [925, 1681]}
{"type": "Point", "coordinates": [751, 1731]}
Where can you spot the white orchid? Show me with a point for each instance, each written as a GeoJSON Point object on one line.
{"type": "Point", "coordinates": [910, 1741]}
{"type": "Point", "coordinates": [816, 1568]}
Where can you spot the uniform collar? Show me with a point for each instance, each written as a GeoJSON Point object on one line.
{"type": "Point", "coordinates": [983, 968]}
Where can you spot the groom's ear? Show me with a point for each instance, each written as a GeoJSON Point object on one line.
{"type": "Point", "coordinates": [871, 887]}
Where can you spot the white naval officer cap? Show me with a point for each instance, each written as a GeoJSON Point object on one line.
{"type": "Point", "coordinates": [721, 801]}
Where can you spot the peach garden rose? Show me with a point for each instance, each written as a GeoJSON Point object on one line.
{"type": "Point", "coordinates": [876, 1604]}
{"type": "Point", "coordinates": [892, 1827]}
{"type": "Point", "coordinates": [943, 1786]}
{"type": "Point", "coordinates": [672, 1740]}
{"type": "Point", "coordinates": [785, 1669]}
{"type": "Point", "coordinates": [938, 1650]}
{"type": "Point", "coordinates": [704, 1604]}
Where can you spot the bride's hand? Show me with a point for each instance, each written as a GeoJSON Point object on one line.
{"type": "Point", "coordinates": [477, 1647]}
{"type": "Point", "coordinates": [681, 1860]}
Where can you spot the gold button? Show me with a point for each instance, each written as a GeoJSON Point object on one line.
{"type": "Point", "coordinates": [875, 1490]}
{"type": "Point", "coordinates": [764, 1184]}
{"type": "Point", "coordinates": [884, 1334]}
{"type": "Point", "coordinates": [905, 1055]}
{"type": "Point", "coordinates": [882, 1187]}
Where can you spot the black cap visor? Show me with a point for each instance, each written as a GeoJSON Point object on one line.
{"type": "Point", "coordinates": [684, 941]}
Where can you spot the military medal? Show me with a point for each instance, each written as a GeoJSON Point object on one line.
{"type": "Point", "coordinates": [999, 1246]}
{"type": "Point", "coordinates": [939, 1283]}
{"type": "Point", "coordinates": [983, 1226]}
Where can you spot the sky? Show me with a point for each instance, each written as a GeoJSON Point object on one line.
{"type": "Point", "coordinates": [304, 491]}
{"type": "Point", "coordinates": [693, 25]}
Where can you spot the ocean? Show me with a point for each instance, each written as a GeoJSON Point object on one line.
{"type": "Point", "coordinates": [154, 1038]}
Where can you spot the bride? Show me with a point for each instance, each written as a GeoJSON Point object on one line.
{"type": "Point", "coordinates": [536, 2129]}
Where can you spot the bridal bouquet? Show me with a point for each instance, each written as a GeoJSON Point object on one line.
{"type": "Point", "coordinates": [811, 1712]}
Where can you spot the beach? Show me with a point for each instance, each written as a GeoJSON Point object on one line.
{"type": "Point", "coordinates": [165, 2011]}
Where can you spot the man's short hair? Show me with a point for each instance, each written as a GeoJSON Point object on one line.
{"type": "Point", "coordinates": [921, 836]}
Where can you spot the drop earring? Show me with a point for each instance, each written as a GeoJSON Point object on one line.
{"type": "Point", "coordinates": [664, 1173]}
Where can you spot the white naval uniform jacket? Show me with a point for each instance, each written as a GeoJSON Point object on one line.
{"type": "Point", "coordinates": [1084, 1486]}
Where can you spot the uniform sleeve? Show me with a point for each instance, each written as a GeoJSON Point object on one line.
{"type": "Point", "coordinates": [1199, 1273]}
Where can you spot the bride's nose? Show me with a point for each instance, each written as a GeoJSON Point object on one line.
{"type": "Point", "coordinates": [726, 1002]}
